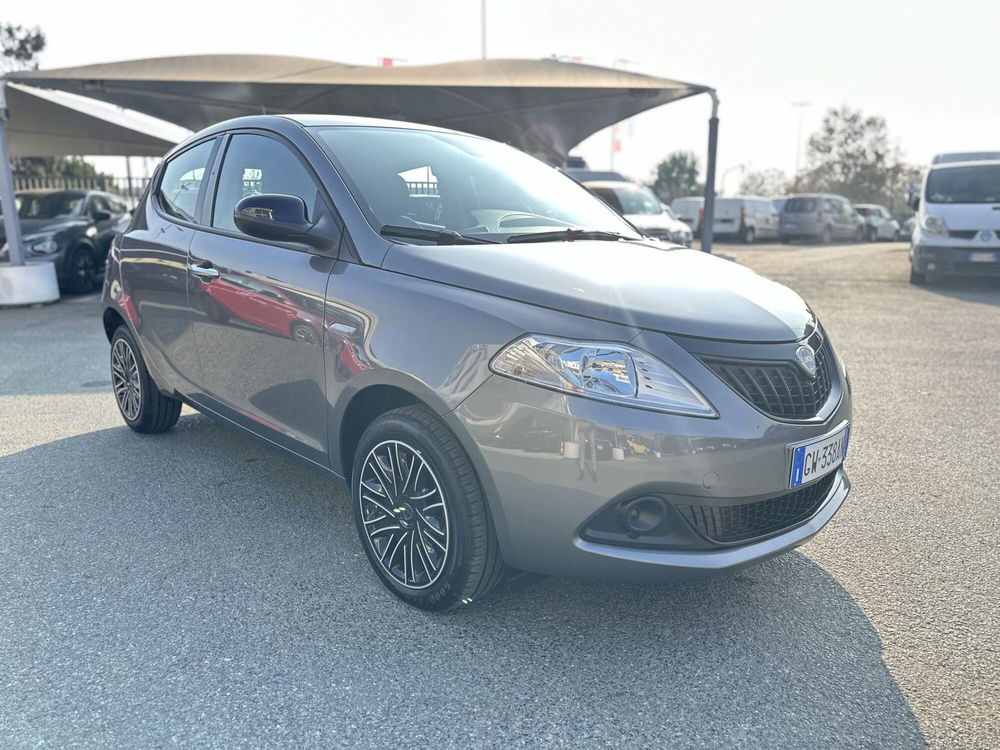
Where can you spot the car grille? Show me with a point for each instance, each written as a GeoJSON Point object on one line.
{"type": "Point", "coordinates": [779, 389]}
{"type": "Point", "coordinates": [736, 523]}
{"type": "Point", "coordinates": [963, 234]}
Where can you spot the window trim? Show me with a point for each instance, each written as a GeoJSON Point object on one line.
{"type": "Point", "coordinates": [154, 195]}
{"type": "Point", "coordinates": [208, 209]}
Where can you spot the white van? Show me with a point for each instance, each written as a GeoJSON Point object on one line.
{"type": "Point", "coordinates": [957, 228]}
{"type": "Point", "coordinates": [747, 217]}
{"type": "Point", "coordinates": [690, 210]}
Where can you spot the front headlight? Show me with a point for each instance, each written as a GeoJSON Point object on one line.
{"type": "Point", "coordinates": [934, 225]}
{"type": "Point", "coordinates": [609, 372]}
{"type": "Point", "coordinates": [40, 244]}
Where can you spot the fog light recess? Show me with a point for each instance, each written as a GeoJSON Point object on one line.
{"type": "Point", "coordinates": [641, 515]}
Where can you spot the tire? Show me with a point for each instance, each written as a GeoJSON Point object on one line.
{"type": "Point", "coordinates": [860, 235]}
{"type": "Point", "coordinates": [440, 500]}
{"type": "Point", "coordinates": [917, 278]}
{"type": "Point", "coordinates": [140, 402]}
{"type": "Point", "coordinates": [81, 270]}
{"type": "Point", "coordinates": [826, 237]}
{"type": "Point", "coordinates": [749, 235]}
{"type": "Point", "coordinates": [872, 234]}
{"type": "Point", "coordinates": [897, 236]}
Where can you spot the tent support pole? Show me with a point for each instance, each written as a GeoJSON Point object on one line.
{"type": "Point", "coordinates": [708, 220]}
{"type": "Point", "coordinates": [11, 224]}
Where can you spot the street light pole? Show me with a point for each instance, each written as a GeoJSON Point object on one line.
{"type": "Point", "coordinates": [482, 24]}
{"type": "Point", "coordinates": [708, 219]}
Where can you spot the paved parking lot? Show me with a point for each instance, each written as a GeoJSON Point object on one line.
{"type": "Point", "coordinates": [197, 588]}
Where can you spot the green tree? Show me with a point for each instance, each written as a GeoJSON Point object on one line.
{"type": "Point", "coordinates": [852, 154]}
{"type": "Point", "coordinates": [677, 176]}
{"type": "Point", "coordinates": [765, 182]}
{"type": "Point", "coordinates": [19, 47]}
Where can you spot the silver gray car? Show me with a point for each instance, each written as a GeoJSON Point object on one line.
{"type": "Point", "coordinates": [504, 373]}
{"type": "Point", "coordinates": [822, 217]}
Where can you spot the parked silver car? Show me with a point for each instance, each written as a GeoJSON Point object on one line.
{"type": "Point", "coordinates": [520, 381]}
{"type": "Point", "coordinates": [879, 223]}
{"type": "Point", "coordinates": [822, 217]}
{"type": "Point", "coordinates": [640, 206]}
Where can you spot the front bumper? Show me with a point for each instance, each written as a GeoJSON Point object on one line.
{"type": "Point", "coordinates": [953, 260]}
{"type": "Point", "coordinates": [554, 462]}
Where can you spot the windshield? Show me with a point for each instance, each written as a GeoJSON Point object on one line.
{"type": "Point", "coordinates": [978, 184]}
{"type": "Point", "coordinates": [463, 184]}
{"type": "Point", "coordinates": [800, 205]}
{"type": "Point", "coordinates": [628, 198]}
{"type": "Point", "coordinates": [48, 205]}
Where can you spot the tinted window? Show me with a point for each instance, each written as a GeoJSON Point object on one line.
{"type": "Point", "coordinates": [99, 203]}
{"type": "Point", "coordinates": [866, 211]}
{"type": "Point", "coordinates": [800, 205]}
{"type": "Point", "coordinates": [256, 164]}
{"type": "Point", "coordinates": [979, 184]}
{"type": "Point", "coordinates": [608, 196]}
{"type": "Point", "coordinates": [48, 205]}
{"type": "Point", "coordinates": [181, 182]}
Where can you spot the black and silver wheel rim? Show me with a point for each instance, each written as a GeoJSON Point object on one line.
{"type": "Point", "coordinates": [404, 514]}
{"type": "Point", "coordinates": [85, 268]}
{"type": "Point", "coordinates": [303, 334]}
{"type": "Point", "coordinates": [125, 379]}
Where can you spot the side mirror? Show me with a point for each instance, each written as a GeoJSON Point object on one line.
{"type": "Point", "coordinates": [281, 218]}
{"type": "Point", "coordinates": [101, 215]}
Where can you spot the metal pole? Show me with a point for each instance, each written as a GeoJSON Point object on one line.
{"type": "Point", "coordinates": [11, 224]}
{"type": "Point", "coordinates": [713, 143]}
{"type": "Point", "coordinates": [801, 106]}
{"type": "Point", "coordinates": [482, 24]}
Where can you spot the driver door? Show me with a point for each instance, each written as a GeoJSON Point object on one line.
{"type": "Point", "coordinates": [257, 306]}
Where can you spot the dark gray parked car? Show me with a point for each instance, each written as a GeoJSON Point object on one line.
{"type": "Point", "coordinates": [514, 381]}
{"type": "Point", "coordinates": [72, 229]}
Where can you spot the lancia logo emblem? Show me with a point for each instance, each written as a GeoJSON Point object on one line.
{"type": "Point", "coordinates": [807, 360]}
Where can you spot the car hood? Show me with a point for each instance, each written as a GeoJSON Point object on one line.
{"type": "Point", "coordinates": [37, 226]}
{"type": "Point", "coordinates": [681, 291]}
{"type": "Point", "coordinates": [965, 215]}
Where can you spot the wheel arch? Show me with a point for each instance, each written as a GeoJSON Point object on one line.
{"type": "Point", "coordinates": [111, 319]}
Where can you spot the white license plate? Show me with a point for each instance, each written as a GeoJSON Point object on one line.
{"type": "Point", "coordinates": [818, 457]}
{"type": "Point", "coordinates": [982, 257]}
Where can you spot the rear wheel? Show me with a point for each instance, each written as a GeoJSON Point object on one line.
{"type": "Point", "coordinates": [140, 402]}
{"type": "Point", "coordinates": [872, 234]}
{"type": "Point", "coordinates": [82, 270]}
{"type": "Point", "coordinates": [421, 514]}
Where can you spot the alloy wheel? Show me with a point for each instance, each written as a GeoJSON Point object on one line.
{"type": "Point", "coordinates": [84, 269]}
{"type": "Point", "coordinates": [125, 379]}
{"type": "Point", "coordinates": [404, 514]}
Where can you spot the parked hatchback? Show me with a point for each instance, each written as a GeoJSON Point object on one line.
{"type": "Point", "coordinates": [524, 383]}
{"type": "Point", "coordinates": [821, 217]}
{"type": "Point", "coordinates": [640, 206]}
{"type": "Point", "coordinates": [879, 223]}
{"type": "Point", "coordinates": [70, 228]}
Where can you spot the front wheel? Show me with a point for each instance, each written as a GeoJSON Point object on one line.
{"type": "Point", "coordinates": [872, 234]}
{"type": "Point", "coordinates": [140, 402]}
{"type": "Point", "coordinates": [421, 514]}
{"type": "Point", "coordinates": [749, 235]}
{"type": "Point", "coordinates": [82, 270]}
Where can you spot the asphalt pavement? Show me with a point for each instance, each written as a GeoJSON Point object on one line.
{"type": "Point", "coordinates": [200, 589]}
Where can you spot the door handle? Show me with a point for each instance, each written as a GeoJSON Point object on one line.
{"type": "Point", "coordinates": [205, 271]}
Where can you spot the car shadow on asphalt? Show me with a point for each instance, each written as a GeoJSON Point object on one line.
{"type": "Point", "coordinates": [198, 584]}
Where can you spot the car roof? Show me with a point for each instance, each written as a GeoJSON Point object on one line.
{"type": "Point", "coordinates": [868, 205]}
{"type": "Point", "coordinates": [956, 164]}
{"type": "Point", "coordinates": [52, 191]}
{"type": "Point", "coordinates": [609, 183]}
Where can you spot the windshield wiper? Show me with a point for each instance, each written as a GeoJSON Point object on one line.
{"type": "Point", "coordinates": [567, 235]}
{"type": "Point", "coordinates": [440, 236]}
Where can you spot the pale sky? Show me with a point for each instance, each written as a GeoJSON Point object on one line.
{"type": "Point", "coordinates": [929, 68]}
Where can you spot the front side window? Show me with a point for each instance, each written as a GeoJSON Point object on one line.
{"type": "Point", "coordinates": [182, 179]}
{"type": "Point", "coordinates": [256, 164]}
{"type": "Point", "coordinates": [62, 204]}
{"type": "Point", "coordinates": [481, 188]}
{"type": "Point", "coordinates": [978, 184]}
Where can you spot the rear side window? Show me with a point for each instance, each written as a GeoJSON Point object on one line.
{"type": "Point", "coordinates": [800, 205]}
{"type": "Point", "coordinates": [182, 178]}
{"type": "Point", "coordinates": [256, 164]}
